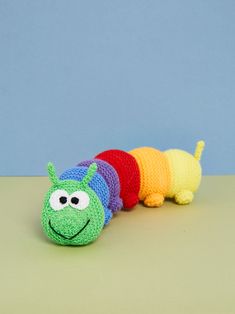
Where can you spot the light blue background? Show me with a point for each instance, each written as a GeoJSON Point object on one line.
{"type": "Point", "coordinates": [79, 77]}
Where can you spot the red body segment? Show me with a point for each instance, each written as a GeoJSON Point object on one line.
{"type": "Point", "coordinates": [128, 172]}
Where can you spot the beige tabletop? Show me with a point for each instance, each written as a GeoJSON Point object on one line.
{"type": "Point", "coordinates": [174, 259]}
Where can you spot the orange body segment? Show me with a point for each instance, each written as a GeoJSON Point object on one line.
{"type": "Point", "coordinates": [154, 171]}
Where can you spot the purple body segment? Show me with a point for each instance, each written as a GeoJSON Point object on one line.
{"type": "Point", "coordinates": [111, 177]}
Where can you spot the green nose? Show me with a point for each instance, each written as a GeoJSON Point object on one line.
{"type": "Point", "coordinates": [68, 224]}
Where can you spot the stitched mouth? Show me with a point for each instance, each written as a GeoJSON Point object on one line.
{"type": "Point", "coordinates": [69, 238]}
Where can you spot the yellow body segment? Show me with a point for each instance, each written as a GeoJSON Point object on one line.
{"type": "Point", "coordinates": [154, 175]}
{"type": "Point", "coordinates": [173, 173]}
{"type": "Point", "coordinates": [185, 172]}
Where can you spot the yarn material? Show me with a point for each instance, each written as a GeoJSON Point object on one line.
{"type": "Point", "coordinates": [154, 200]}
{"type": "Point", "coordinates": [111, 177]}
{"type": "Point", "coordinates": [76, 207]}
{"type": "Point", "coordinates": [199, 149]}
{"type": "Point", "coordinates": [184, 197]}
{"type": "Point", "coordinates": [154, 175]}
{"type": "Point", "coordinates": [128, 173]}
{"type": "Point", "coordinates": [97, 184]}
{"type": "Point", "coordinates": [185, 172]}
{"type": "Point", "coordinates": [173, 173]}
{"type": "Point", "coordinates": [71, 224]}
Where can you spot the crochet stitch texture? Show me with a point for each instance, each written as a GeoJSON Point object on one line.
{"type": "Point", "coordinates": [97, 184]}
{"type": "Point", "coordinates": [154, 175]}
{"type": "Point", "coordinates": [83, 199]}
{"type": "Point", "coordinates": [111, 177]}
{"type": "Point", "coordinates": [186, 173]}
{"type": "Point", "coordinates": [128, 173]}
{"type": "Point", "coordinates": [173, 173]}
{"type": "Point", "coordinates": [66, 221]}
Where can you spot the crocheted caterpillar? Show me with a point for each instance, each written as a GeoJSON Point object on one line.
{"type": "Point", "coordinates": [84, 198]}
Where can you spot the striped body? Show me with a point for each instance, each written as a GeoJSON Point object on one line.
{"type": "Point", "coordinates": [144, 174]}
{"type": "Point", "coordinates": [84, 198]}
{"type": "Point", "coordinates": [128, 173]}
{"type": "Point", "coordinates": [173, 174]}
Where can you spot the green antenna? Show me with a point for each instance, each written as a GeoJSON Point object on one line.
{"type": "Point", "coordinates": [90, 173]}
{"type": "Point", "coordinates": [52, 173]}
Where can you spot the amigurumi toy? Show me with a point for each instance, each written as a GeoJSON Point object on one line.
{"type": "Point", "coordinates": [97, 184]}
{"type": "Point", "coordinates": [111, 177]}
{"type": "Point", "coordinates": [128, 172]}
{"type": "Point", "coordinates": [72, 214]}
{"type": "Point", "coordinates": [173, 174]}
{"type": "Point", "coordinates": [84, 198]}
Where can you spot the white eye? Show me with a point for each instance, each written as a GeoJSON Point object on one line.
{"type": "Point", "coordinates": [59, 199]}
{"type": "Point", "coordinates": [79, 200]}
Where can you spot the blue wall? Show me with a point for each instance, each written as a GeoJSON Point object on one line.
{"type": "Point", "coordinates": [78, 77]}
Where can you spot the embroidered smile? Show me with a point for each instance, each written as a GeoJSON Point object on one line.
{"type": "Point", "coordinates": [69, 238]}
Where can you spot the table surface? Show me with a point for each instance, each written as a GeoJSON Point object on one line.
{"type": "Point", "coordinates": [173, 259]}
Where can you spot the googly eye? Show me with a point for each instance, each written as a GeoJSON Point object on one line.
{"type": "Point", "coordinates": [59, 199]}
{"type": "Point", "coordinates": [79, 200]}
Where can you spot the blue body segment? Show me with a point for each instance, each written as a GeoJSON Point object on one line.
{"type": "Point", "coordinates": [97, 184]}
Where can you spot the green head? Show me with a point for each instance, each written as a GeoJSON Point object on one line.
{"type": "Point", "coordinates": [72, 213]}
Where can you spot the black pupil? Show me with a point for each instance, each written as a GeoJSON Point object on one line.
{"type": "Point", "coordinates": [63, 200]}
{"type": "Point", "coordinates": [74, 200]}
